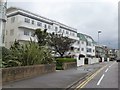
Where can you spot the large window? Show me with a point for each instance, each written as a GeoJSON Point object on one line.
{"type": "Point", "coordinates": [26, 32]}
{"type": "Point", "coordinates": [27, 20]}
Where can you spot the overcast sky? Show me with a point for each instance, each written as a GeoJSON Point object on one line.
{"type": "Point", "coordinates": [87, 16]}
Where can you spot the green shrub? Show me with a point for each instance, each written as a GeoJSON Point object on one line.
{"type": "Point", "coordinates": [65, 59]}
{"type": "Point", "coordinates": [28, 54]}
{"type": "Point", "coordinates": [60, 61]}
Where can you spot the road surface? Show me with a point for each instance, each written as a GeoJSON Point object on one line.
{"type": "Point", "coordinates": [107, 77]}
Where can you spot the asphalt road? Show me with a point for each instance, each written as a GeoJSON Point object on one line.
{"type": "Point", "coordinates": [106, 78]}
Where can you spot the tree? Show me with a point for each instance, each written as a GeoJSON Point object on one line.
{"type": "Point", "coordinates": [41, 36]}
{"type": "Point", "coordinates": [60, 43]}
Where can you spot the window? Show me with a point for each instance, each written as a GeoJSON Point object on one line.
{"type": "Point", "coordinates": [26, 32]}
{"type": "Point", "coordinates": [60, 30]}
{"type": "Point", "coordinates": [63, 31]}
{"type": "Point", "coordinates": [32, 21]}
{"type": "Point", "coordinates": [45, 26]}
{"type": "Point", "coordinates": [82, 49]}
{"type": "Point", "coordinates": [56, 28]}
{"type": "Point", "coordinates": [39, 24]}
{"type": "Point", "coordinates": [27, 20]}
{"type": "Point", "coordinates": [88, 43]}
{"type": "Point", "coordinates": [66, 32]}
{"type": "Point", "coordinates": [49, 26]}
{"type": "Point", "coordinates": [73, 34]}
{"type": "Point", "coordinates": [82, 42]}
{"type": "Point", "coordinates": [12, 19]}
{"type": "Point", "coordinates": [11, 32]}
{"type": "Point", "coordinates": [78, 42]}
{"type": "Point", "coordinates": [93, 50]}
{"type": "Point", "coordinates": [89, 50]}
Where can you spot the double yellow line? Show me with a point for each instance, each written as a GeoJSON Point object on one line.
{"type": "Point", "coordinates": [89, 78]}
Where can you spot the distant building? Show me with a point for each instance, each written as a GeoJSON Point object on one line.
{"type": "Point", "coordinates": [101, 51]}
{"type": "Point", "coordinates": [112, 53]}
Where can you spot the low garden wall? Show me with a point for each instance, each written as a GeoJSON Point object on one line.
{"type": "Point", "coordinates": [17, 73]}
{"type": "Point", "coordinates": [68, 65]}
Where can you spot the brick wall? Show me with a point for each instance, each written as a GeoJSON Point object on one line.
{"type": "Point", "coordinates": [17, 73]}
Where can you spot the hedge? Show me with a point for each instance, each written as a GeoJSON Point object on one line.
{"type": "Point", "coordinates": [60, 61]}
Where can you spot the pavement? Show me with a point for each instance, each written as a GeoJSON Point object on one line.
{"type": "Point", "coordinates": [58, 79]}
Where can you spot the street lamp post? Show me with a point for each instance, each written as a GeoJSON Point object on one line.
{"type": "Point", "coordinates": [98, 36]}
{"type": "Point", "coordinates": [98, 44]}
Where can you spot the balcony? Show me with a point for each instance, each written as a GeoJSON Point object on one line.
{"type": "Point", "coordinates": [71, 37]}
{"type": "Point", "coordinates": [26, 38]}
{"type": "Point", "coordinates": [27, 25]}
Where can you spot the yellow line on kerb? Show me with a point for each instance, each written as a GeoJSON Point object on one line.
{"type": "Point", "coordinates": [89, 79]}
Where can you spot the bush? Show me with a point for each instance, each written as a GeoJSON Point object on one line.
{"type": "Point", "coordinates": [28, 54]}
{"type": "Point", "coordinates": [60, 61]}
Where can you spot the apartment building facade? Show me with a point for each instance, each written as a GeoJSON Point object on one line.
{"type": "Point", "coordinates": [21, 25]}
{"type": "Point", "coordinates": [87, 45]}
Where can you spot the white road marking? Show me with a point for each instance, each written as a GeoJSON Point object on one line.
{"type": "Point", "coordinates": [100, 79]}
{"type": "Point", "coordinates": [112, 64]}
{"type": "Point", "coordinates": [106, 70]}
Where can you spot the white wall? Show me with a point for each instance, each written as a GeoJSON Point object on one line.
{"type": "Point", "coordinates": [80, 62]}
{"type": "Point", "coordinates": [93, 60]}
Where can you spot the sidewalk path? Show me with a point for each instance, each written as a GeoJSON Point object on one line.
{"type": "Point", "coordinates": [58, 79]}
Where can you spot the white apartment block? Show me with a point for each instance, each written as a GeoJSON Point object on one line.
{"type": "Point", "coordinates": [90, 46]}
{"type": "Point", "coordinates": [21, 25]}
{"type": "Point", "coordinates": [87, 45]}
